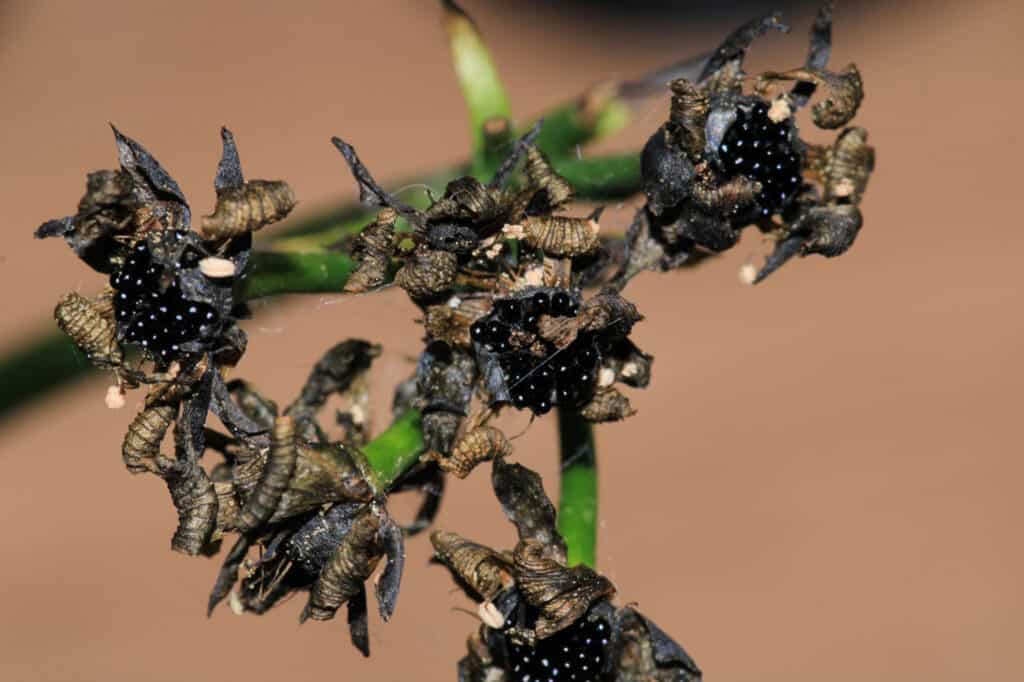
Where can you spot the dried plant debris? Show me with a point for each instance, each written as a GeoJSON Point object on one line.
{"type": "Point", "coordinates": [729, 157]}
{"type": "Point", "coordinates": [543, 620]}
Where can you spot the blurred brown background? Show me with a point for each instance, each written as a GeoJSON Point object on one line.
{"type": "Point", "coordinates": [822, 482]}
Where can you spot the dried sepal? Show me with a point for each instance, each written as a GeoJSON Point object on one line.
{"type": "Point", "coordinates": [562, 236]}
{"type": "Point", "coordinates": [228, 574]}
{"type": "Point", "coordinates": [90, 328]}
{"type": "Point", "coordinates": [248, 208]}
{"type": "Point", "coordinates": [844, 93]}
{"type": "Point", "coordinates": [263, 501]}
{"type": "Point", "coordinates": [561, 595]}
{"type": "Point", "coordinates": [607, 405]}
{"type": "Point", "coordinates": [645, 652]}
{"type": "Point", "coordinates": [847, 166]}
{"type": "Point", "coordinates": [390, 580]}
{"type": "Point", "coordinates": [520, 491]}
{"type": "Point", "coordinates": [373, 249]}
{"type": "Point", "coordinates": [724, 69]}
{"type": "Point", "coordinates": [428, 274]}
{"type": "Point", "coordinates": [346, 571]}
{"type": "Point", "coordinates": [484, 571]}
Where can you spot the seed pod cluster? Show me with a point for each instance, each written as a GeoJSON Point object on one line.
{"type": "Point", "coordinates": [727, 159]}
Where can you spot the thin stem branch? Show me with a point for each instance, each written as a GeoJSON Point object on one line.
{"type": "Point", "coordinates": [577, 507]}
{"type": "Point", "coordinates": [394, 451]}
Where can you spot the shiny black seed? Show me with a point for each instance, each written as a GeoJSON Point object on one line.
{"type": "Point", "coordinates": [576, 653]}
{"type": "Point", "coordinates": [539, 303]}
{"type": "Point", "coordinates": [561, 304]}
{"type": "Point", "coordinates": [508, 309]}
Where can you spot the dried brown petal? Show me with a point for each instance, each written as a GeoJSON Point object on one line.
{"type": "Point", "coordinates": [561, 235]}
{"type": "Point", "coordinates": [562, 595]}
{"type": "Point", "coordinates": [248, 208]}
{"type": "Point", "coordinates": [833, 229]}
{"type": "Point", "coordinates": [555, 191]}
{"type": "Point", "coordinates": [450, 321]}
{"type": "Point", "coordinates": [261, 504]}
{"type": "Point", "coordinates": [92, 331]}
{"type": "Point", "coordinates": [344, 574]}
{"type": "Point", "coordinates": [483, 570]}
{"type": "Point", "coordinates": [193, 496]}
{"type": "Point", "coordinates": [373, 249]}
{"type": "Point", "coordinates": [146, 432]}
{"type": "Point", "coordinates": [322, 474]}
{"type": "Point", "coordinates": [735, 194]}
{"type": "Point", "coordinates": [848, 166]}
{"type": "Point", "coordinates": [428, 274]}
{"type": "Point", "coordinates": [479, 445]}
{"type": "Point", "coordinates": [605, 310]}
{"type": "Point", "coordinates": [687, 115]}
{"type": "Point", "coordinates": [607, 405]}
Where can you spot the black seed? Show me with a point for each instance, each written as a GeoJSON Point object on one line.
{"type": "Point", "coordinates": [560, 304]}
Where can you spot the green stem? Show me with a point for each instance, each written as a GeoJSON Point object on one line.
{"type": "Point", "coordinates": [602, 178]}
{"type": "Point", "coordinates": [270, 273]}
{"type": "Point", "coordinates": [390, 454]}
{"type": "Point", "coordinates": [43, 364]}
{"type": "Point", "coordinates": [577, 507]}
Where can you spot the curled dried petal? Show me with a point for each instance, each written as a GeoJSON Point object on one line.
{"type": "Point", "coordinates": [141, 444]}
{"type": "Point", "coordinates": [562, 595]}
{"type": "Point", "coordinates": [193, 496]}
{"type": "Point", "coordinates": [89, 328]}
{"type": "Point", "coordinates": [280, 465]}
{"type": "Point", "coordinates": [561, 235]}
{"type": "Point", "coordinates": [607, 405]}
{"type": "Point", "coordinates": [348, 568]}
{"type": "Point", "coordinates": [483, 570]}
{"type": "Point", "coordinates": [479, 445]}
{"type": "Point", "coordinates": [248, 208]}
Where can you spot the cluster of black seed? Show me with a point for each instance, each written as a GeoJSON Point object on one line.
{"type": "Point", "coordinates": [160, 320]}
{"type": "Point", "coordinates": [575, 654]}
{"type": "Point", "coordinates": [559, 377]}
{"type": "Point", "coordinates": [760, 149]}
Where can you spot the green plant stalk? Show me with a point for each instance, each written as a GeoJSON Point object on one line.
{"type": "Point", "coordinates": [47, 361]}
{"type": "Point", "coordinates": [577, 506]}
{"type": "Point", "coordinates": [602, 178]}
{"type": "Point", "coordinates": [271, 273]}
{"type": "Point", "coordinates": [394, 451]}
{"type": "Point", "coordinates": [481, 85]}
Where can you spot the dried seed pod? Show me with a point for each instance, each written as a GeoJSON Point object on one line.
{"type": "Point", "coordinates": [261, 504]}
{"type": "Point", "coordinates": [549, 191]}
{"type": "Point", "coordinates": [645, 652]}
{"type": "Point", "coordinates": [607, 405]}
{"type": "Point", "coordinates": [479, 445]}
{"type": "Point", "coordinates": [561, 235]}
{"type": "Point", "coordinates": [562, 595]}
{"type": "Point", "coordinates": [344, 574]}
{"type": "Point", "coordinates": [373, 249]}
{"type": "Point", "coordinates": [141, 444]}
{"type": "Point", "coordinates": [193, 496]}
{"type": "Point", "coordinates": [428, 274]}
{"type": "Point", "coordinates": [483, 570]}
{"type": "Point", "coordinates": [248, 208]}
{"type": "Point", "coordinates": [90, 330]}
